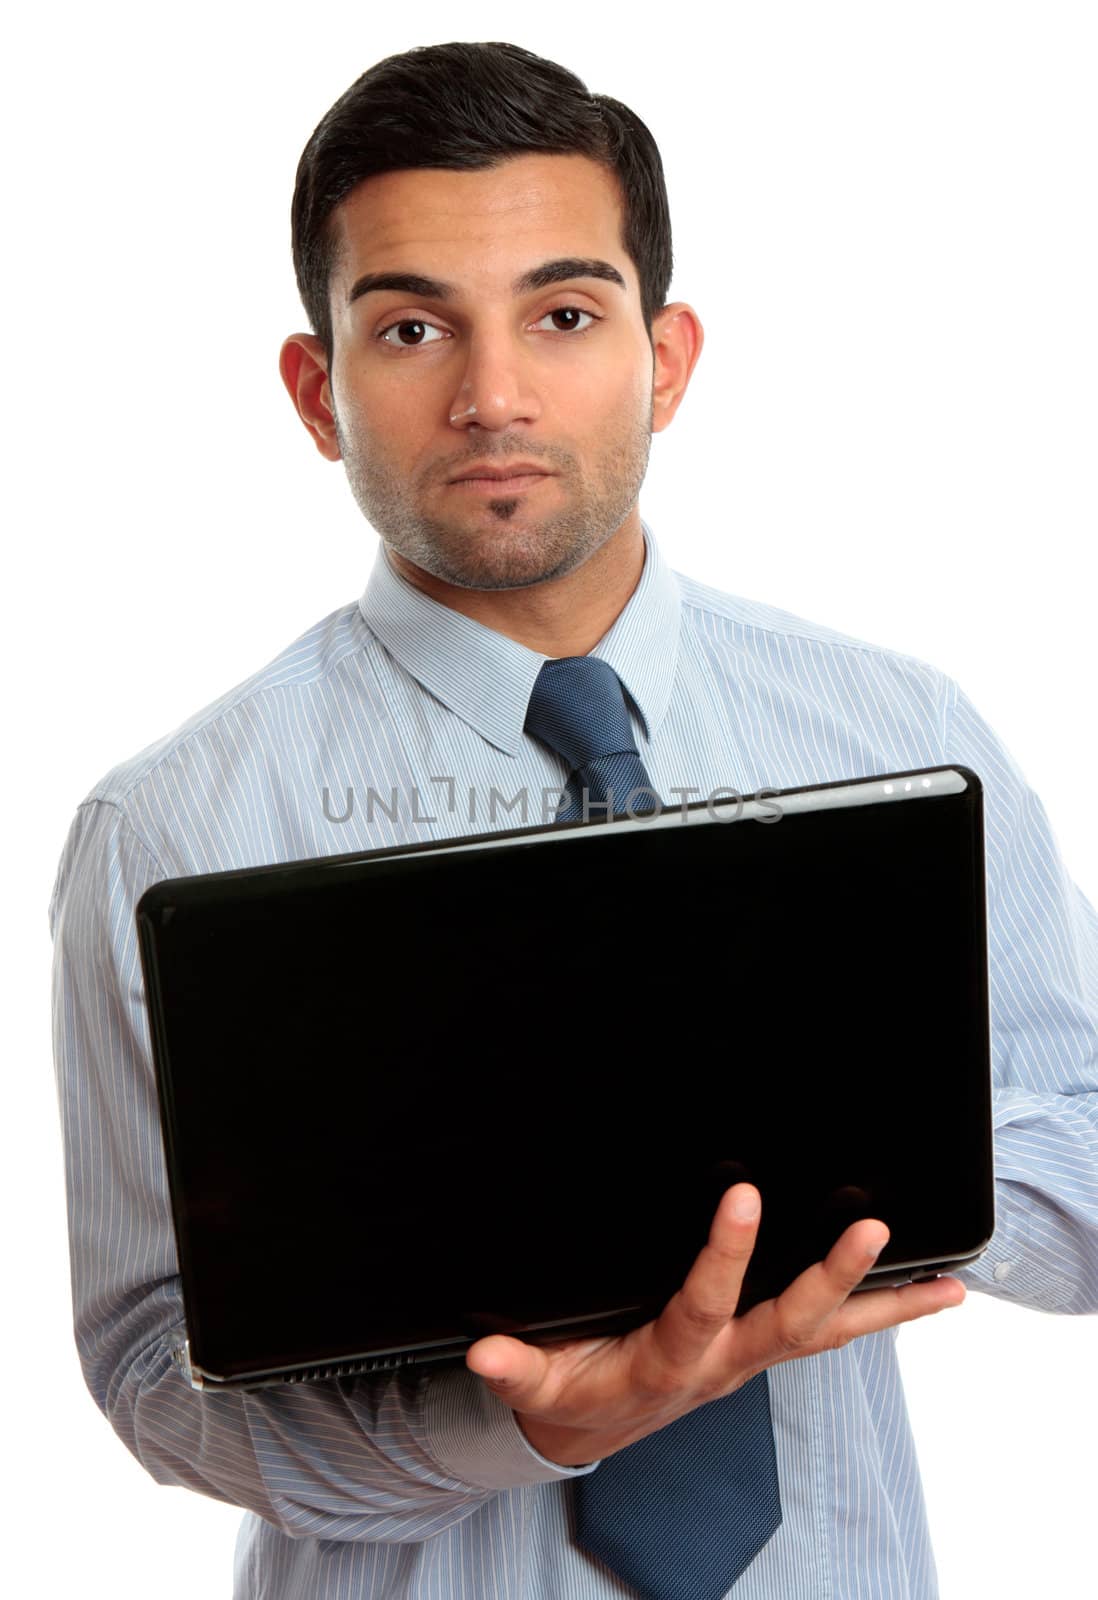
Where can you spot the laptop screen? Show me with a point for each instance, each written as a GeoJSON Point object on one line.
{"type": "Point", "coordinates": [418, 1095]}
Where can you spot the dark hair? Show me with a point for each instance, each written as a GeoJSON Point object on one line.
{"type": "Point", "coordinates": [466, 107]}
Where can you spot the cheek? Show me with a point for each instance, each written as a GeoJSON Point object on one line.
{"type": "Point", "coordinates": [382, 415]}
{"type": "Point", "coordinates": [635, 394]}
{"type": "Point", "coordinates": [633, 401]}
{"type": "Point", "coordinates": [612, 398]}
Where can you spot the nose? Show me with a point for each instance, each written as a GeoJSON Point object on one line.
{"type": "Point", "coordinates": [497, 387]}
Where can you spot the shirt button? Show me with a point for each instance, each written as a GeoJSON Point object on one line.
{"type": "Point", "coordinates": [1003, 1270]}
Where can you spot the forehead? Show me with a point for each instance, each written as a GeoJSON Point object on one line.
{"type": "Point", "coordinates": [467, 225]}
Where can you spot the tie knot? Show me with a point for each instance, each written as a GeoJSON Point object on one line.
{"type": "Point", "coordinates": [577, 707]}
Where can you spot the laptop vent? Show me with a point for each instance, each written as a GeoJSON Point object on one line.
{"type": "Point", "coordinates": [347, 1369]}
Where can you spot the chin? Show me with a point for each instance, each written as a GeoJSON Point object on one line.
{"type": "Point", "coordinates": [496, 567]}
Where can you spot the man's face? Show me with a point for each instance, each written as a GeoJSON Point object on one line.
{"type": "Point", "coordinates": [424, 385]}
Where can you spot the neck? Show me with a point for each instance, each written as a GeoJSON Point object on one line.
{"type": "Point", "coordinates": [560, 617]}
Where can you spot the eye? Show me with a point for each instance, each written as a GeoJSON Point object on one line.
{"type": "Point", "coordinates": [572, 311]}
{"type": "Point", "coordinates": [408, 322]}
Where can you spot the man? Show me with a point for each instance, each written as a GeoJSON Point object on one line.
{"type": "Point", "coordinates": [484, 251]}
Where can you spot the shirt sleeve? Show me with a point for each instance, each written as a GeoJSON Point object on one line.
{"type": "Point", "coordinates": [396, 1457]}
{"type": "Point", "coordinates": [1043, 989]}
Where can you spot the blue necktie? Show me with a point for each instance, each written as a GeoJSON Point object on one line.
{"type": "Point", "coordinates": [680, 1514]}
{"type": "Point", "coordinates": [578, 709]}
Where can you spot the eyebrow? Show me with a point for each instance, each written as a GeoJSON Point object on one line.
{"type": "Point", "coordinates": [540, 277]}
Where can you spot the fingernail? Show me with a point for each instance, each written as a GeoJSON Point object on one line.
{"type": "Point", "coordinates": [746, 1205]}
{"type": "Point", "coordinates": [873, 1250]}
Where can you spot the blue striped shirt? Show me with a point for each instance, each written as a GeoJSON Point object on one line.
{"type": "Point", "coordinates": [398, 719]}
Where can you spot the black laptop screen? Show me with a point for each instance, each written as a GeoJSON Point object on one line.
{"type": "Point", "coordinates": [411, 1098]}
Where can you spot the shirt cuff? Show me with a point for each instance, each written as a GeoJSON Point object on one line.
{"type": "Point", "coordinates": [476, 1439]}
{"type": "Point", "coordinates": [1010, 1269]}
{"type": "Point", "coordinates": [1014, 1266]}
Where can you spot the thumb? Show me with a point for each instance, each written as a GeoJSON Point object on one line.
{"type": "Point", "coordinates": [510, 1367]}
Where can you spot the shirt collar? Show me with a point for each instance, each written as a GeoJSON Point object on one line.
{"type": "Point", "coordinates": [485, 678]}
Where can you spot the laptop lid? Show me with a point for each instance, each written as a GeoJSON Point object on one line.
{"type": "Point", "coordinates": [499, 1083]}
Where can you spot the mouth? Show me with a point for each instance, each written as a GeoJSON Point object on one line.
{"type": "Point", "coordinates": [519, 481]}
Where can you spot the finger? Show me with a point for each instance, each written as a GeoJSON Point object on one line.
{"type": "Point", "coordinates": [707, 1301]}
{"type": "Point", "coordinates": [511, 1368]}
{"type": "Point", "coordinates": [875, 1309]}
{"type": "Point", "coordinates": [819, 1310]}
{"type": "Point", "coordinates": [791, 1323]}
{"type": "Point", "coordinates": [822, 1288]}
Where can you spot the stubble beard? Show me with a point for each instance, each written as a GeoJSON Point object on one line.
{"type": "Point", "coordinates": [499, 543]}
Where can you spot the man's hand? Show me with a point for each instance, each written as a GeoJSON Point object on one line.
{"type": "Point", "coordinates": [580, 1400]}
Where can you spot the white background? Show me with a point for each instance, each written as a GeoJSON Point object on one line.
{"type": "Point", "coordinates": [885, 217]}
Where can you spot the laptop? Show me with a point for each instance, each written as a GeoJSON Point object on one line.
{"type": "Point", "coordinates": [499, 1083]}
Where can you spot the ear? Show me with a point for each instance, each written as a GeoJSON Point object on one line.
{"type": "Point", "coordinates": [304, 370]}
{"type": "Point", "coordinates": [677, 339]}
